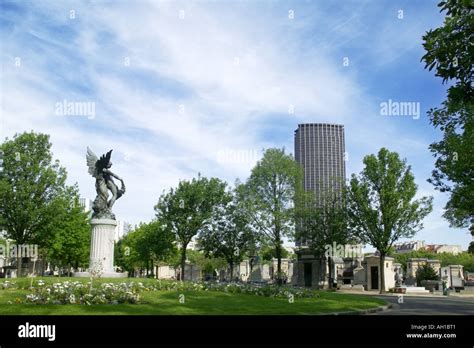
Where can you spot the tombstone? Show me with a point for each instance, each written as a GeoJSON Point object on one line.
{"type": "Point", "coordinates": [265, 272]}
{"type": "Point", "coordinates": [165, 272]}
{"type": "Point", "coordinates": [359, 274]}
{"type": "Point", "coordinates": [192, 272]}
{"type": "Point", "coordinates": [244, 270]}
{"type": "Point", "coordinates": [256, 275]}
{"type": "Point", "coordinates": [348, 271]}
{"type": "Point", "coordinates": [293, 280]}
{"type": "Point", "coordinates": [337, 271]}
{"type": "Point", "coordinates": [469, 278]}
{"type": "Point", "coordinates": [453, 275]}
{"type": "Point", "coordinates": [290, 271]}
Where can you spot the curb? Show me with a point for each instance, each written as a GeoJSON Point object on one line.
{"type": "Point", "coordinates": [365, 311]}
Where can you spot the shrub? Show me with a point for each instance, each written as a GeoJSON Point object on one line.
{"type": "Point", "coordinates": [426, 272]}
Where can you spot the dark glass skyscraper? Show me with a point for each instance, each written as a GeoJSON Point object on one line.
{"type": "Point", "coordinates": [320, 149]}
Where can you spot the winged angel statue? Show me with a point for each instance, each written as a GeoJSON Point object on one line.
{"type": "Point", "coordinates": [99, 168]}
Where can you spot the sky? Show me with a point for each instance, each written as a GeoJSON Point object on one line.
{"type": "Point", "coordinates": [181, 88]}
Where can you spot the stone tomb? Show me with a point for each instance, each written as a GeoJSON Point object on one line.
{"type": "Point", "coordinates": [453, 275]}
{"type": "Point", "coordinates": [371, 264]}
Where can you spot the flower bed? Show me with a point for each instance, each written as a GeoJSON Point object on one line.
{"type": "Point", "coordinates": [84, 293]}
{"type": "Point", "coordinates": [50, 291]}
{"type": "Point", "coordinates": [252, 289]}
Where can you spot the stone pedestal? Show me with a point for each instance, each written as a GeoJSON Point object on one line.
{"type": "Point", "coordinates": [102, 248]}
{"type": "Point", "coordinates": [102, 243]}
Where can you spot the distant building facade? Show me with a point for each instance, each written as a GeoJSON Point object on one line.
{"type": "Point", "coordinates": [444, 248]}
{"type": "Point", "coordinates": [86, 203]}
{"type": "Point", "coordinates": [406, 247]}
{"type": "Point", "coordinates": [122, 229]}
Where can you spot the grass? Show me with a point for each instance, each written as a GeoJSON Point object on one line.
{"type": "Point", "coordinates": [195, 303]}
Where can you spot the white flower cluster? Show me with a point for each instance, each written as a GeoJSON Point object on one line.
{"type": "Point", "coordinates": [82, 293]}
{"type": "Point", "coordinates": [8, 284]}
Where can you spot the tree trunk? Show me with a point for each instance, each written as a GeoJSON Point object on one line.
{"type": "Point", "coordinates": [278, 255]}
{"type": "Point", "coordinates": [231, 264]}
{"type": "Point", "coordinates": [183, 262]}
{"type": "Point", "coordinates": [152, 268]}
{"type": "Point", "coordinates": [321, 274]}
{"type": "Point", "coordinates": [18, 266]}
{"type": "Point", "coordinates": [330, 272]}
{"type": "Point", "coordinates": [382, 273]}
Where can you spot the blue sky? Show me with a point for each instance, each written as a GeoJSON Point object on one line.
{"type": "Point", "coordinates": [187, 87]}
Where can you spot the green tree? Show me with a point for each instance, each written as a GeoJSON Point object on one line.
{"type": "Point", "coordinates": [207, 264]}
{"type": "Point", "coordinates": [187, 209]}
{"type": "Point", "coordinates": [450, 52]}
{"type": "Point", "coordinates": [426, 272]}
{"type": "Point", "coordinates": [323, 224]}
{"type": "Point", "coordinates": [381, 201]}
{"type": "Point", "coordinates": [66, 239]}
{"type": "Point", "coordinates": [270, 193]}
{"type": "Point", "coordinates": [31, 187]}
{"type": "Point", "coordinates": [157, 242]}
{"type": "Point", "coordinates": [148, 244]}
{"type": "Point", "coordinates": [127, 254]}
{"type": "Point", "coordinates": [229, 235]}
{"type": "Point", "coordinates": [267, 253]}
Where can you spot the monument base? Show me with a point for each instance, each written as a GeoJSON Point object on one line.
{"type": "Point", "coordinates": [104, 275]}
{"type": "Point", "coordinates": [102, 246]}
{"type": "Point", "coordinates": [416, 290]}
{"type": "Point", "coordinates": [101, 260]}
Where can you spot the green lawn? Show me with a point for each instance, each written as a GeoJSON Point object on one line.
{"type": "Point", "coordinates": [197, 303]}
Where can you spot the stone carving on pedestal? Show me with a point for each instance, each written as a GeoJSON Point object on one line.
{"type": "Point", "coordinates": [103, 221]}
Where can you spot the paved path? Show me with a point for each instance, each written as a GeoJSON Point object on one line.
{"type": "Point", "coordinates": [419, 305]}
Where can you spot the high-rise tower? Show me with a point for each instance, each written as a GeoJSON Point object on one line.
{"type": "Point", "coordinates": [320, 149]}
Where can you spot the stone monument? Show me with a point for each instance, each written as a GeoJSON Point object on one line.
{"type": "Point", "coordinates": [103, 221]}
